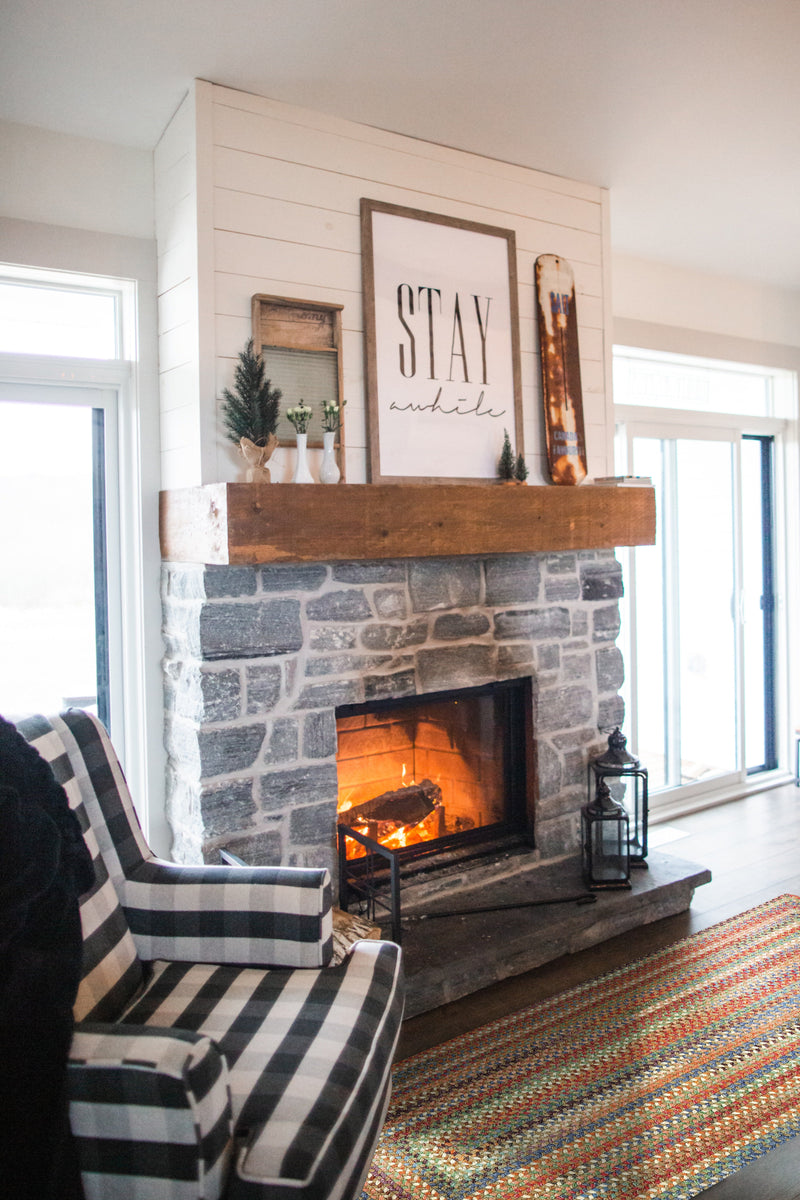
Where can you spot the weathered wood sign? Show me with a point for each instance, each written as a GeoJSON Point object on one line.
{"type": "Point", "coordinates": [441, 345]}
{"type": "Point", "coordinates": [561, 370]}
{"type": "Point", "coordinates": [300, 342]}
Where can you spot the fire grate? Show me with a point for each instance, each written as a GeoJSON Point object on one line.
{"type": "Point", "coordinates": [374, 881]}
{"type": "Point", "coordinates": [365, 879]}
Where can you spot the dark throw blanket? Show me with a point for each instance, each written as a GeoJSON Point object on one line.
{"type": "Point", "coordinates": [44, 868]}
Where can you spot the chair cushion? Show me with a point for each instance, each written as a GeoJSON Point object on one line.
{"type": "Point", "coordinates": [112, 972]}
{"type": "Point", "coordinates": [309, 1055]}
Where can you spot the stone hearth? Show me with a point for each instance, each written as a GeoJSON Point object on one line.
{"type": "Point", "coordinates": [258, 658]}
{"type": "Point", "coordinates": [447, 957]}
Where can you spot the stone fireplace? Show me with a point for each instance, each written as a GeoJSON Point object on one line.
{"type": "Point", "coordinates": [266, 643]}
{"type": "Point", "coordinates": [259, 658]}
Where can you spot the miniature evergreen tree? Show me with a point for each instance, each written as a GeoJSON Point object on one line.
{"type": "Point", "coordinates": [251, 410]}
{"type": "Point", "coordinates": [506, 467]}
{"type": "Point", "coordinates": [520, 470]}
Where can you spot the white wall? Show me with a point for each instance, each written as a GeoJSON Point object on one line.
{"type": "Point", "coordinates": [56, 179]}
{"type": "Point", "coordinates": [256, 196]}
{"type": "Point", "coordinates": [663, 307]}
{"type": "Point", "coordinates": [181, 214]}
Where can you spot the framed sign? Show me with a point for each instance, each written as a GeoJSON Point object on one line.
{"type": "Point", "coordinates": [441, 345]}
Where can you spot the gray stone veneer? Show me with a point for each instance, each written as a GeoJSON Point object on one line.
{"type": "Point", "coordinates": [257, 659]}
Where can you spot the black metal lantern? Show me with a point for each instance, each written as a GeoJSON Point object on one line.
{"type": "Point", "coordinates": [627, 782]}
{"type": "Point", "coordinates": [605, 841]}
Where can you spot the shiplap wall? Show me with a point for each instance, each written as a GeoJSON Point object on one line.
{"type": "Point", "coordinates": [258, 196]}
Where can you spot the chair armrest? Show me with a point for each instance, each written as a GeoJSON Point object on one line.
{"type": "Point", "coordinates": [252, 916]}
{"type": "Point", "coordinates": [152, 1104]}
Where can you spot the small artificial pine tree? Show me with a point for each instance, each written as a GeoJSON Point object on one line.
{"type": "Point", "coordinates": [506, 466]}
{"type": "Point", "coordinates": [520, 470]}
{"type": "Point", "coordinates": [251, 410]}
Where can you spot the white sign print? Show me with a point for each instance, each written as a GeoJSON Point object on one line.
{"type": "Point", "coordinates": [442, 344]}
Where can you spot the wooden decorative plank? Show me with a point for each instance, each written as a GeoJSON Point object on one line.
{"type": "Point", "coordinates": [193, 524]}
{"type": "Point", "coordinates": [561, 370]}
{"type": "Point", "coordinates": [241, 523]}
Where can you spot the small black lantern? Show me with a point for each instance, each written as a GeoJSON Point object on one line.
{"type": "Point", "coordinates": [627, 782]}
{"type": "Point", "coordinates": [605, 841]}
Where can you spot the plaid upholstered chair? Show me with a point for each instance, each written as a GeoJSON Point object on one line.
{"type": "Point", "coordinates": [217, 1052]}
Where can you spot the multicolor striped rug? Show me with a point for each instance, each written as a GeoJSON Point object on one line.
{"type": "Point", "coordinates": [652, 1082]}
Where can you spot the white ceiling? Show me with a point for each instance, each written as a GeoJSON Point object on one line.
{"type": "Point", "coordinates": [688, 110]}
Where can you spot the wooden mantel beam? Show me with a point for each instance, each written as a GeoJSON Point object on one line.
{"type": "Point", "coordinates": [246, 523]}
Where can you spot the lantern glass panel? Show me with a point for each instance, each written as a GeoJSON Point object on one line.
{"type": "Point", "coordinates": [606, 855]}
{"type": "Point", "coordinates": [609, 850]}
{"type": "Point", "coordinates": [630, 790]}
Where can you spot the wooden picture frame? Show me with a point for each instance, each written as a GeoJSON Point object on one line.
{"type": "Point", "coordinates": [300, 342]}
{"type": "Point", "coordinates": [442, 360]}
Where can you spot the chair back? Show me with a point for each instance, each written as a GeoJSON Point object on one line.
{"type": "Point", "coordinates": [83, 761]}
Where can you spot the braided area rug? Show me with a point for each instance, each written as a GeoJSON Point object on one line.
{"type": "Point", "coordinates": [653, 1082]}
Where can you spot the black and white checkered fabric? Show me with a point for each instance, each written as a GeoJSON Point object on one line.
{"type": "Point", "coordinates": [112, 970]}
{"type": "Point", "coordinates": [308, 1054]}
{"type": "Point", "coordinates": [150, 1110]}
{"type": "Point", "coordinates": [279, 916]}
{"type": "Point", "coordinates": [298, 1056]}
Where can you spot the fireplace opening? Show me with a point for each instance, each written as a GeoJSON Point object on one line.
{"type": "Point", "coordinates": [447, 770]}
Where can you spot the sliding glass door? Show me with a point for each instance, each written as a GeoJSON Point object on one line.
{"type": "Point", "coordinates": [759, 602]}
{"type": "Point", "coordinates": [683, 629]}
{"type": "Point", "coordinates": [706, 640]}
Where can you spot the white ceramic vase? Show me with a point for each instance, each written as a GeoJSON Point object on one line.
{"type": "Point", "coordinates": [329, 469]}
{"type": "Point", "coordinates": [301, 471]}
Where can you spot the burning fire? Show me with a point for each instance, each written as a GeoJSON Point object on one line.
{"type": "Point", "coordinates": [395, 834]}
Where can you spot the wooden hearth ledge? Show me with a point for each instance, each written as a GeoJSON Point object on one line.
{"type": "Point", "coordinates": [246, 523]}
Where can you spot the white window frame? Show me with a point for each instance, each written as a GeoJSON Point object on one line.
{"type": "Point", "coordinates": [124, 506]}
{"type": "Point", "coordinates": [636, 420]}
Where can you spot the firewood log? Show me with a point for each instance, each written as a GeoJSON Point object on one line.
{"type": "Point", "coordinates": [405, 805]}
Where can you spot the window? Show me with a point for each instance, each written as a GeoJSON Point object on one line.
{"type": "Point", "coordinates": [697, 385]}
{"type": "Point", "coordinates": [702, 634]}
{"type": "Point", "coordinates": [55, 591]}
{"type": "Point", "coordinates": [71, 602]}
{"type": "Point", "coordinates": [63, 321]}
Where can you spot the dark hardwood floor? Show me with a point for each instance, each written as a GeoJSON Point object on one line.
{"type": "Point", "coordinates": [752, 847]}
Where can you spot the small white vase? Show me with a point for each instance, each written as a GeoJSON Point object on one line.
{"type": "Point", "coordinates": [301, 471]}
{"type": "Point", "coordinates": [329, 469]}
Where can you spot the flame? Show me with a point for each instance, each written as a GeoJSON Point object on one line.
{"type": "Point", "coordinates": [404, 782]}
{"type": "Point", "coordinates": [366, 772]}
{"type": "Point", "coordinates": [403, 835]}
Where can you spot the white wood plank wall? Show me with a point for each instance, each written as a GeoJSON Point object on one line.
{"type": "Point", "coordinates": [175, 173]}
{"type": "Point", "coordinates": [285, 185]}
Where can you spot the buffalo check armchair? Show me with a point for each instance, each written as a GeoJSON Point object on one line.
{"type": "Point", "coordinates": [217, 1051]}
